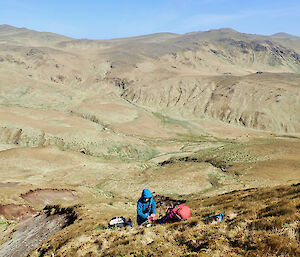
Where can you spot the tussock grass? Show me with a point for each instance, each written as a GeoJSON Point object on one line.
{"type": "Point", "coordinates": [259, 222]}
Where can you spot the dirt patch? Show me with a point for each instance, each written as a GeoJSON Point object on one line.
{"type": "Point", "coordinates": [47, 196]}
{"type": "Point", "coordinates": [16, 212]}
{"type": "Point", "coordinates": [32, 232]}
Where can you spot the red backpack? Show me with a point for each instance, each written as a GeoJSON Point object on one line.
{"type": "Point", "coordinates": [180, 212]}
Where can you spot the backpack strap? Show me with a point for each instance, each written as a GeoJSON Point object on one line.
{"type": "Point", "coordinates": [174, 213]}
{"type": "Point", "coordinates": [178, 208]}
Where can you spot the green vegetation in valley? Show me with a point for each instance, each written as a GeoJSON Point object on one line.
{"type": "Point", "coordinates": [127, 152]}
{"type": "Point", "coordinates": [166, 121]}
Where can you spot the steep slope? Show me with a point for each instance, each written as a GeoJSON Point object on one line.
{"type": "Point", "coordinates": [258, 222]}
{"type": "Point", "coordinates": [260, 101]}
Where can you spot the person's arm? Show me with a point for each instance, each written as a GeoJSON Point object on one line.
{"type": "Point", "coordinates": [153, 206]}
{"type": "Point", "coordinates": [139, 211]}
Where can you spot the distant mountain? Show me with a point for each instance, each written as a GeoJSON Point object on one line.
{"type": "Point", "coordinates": [7, 29]}
{"type": "Point", "coordinates": [219, 74]}
{"type": "Point", "coordinates": [28, 37]}
{"type": "Point", "coordinates": [284, 35]}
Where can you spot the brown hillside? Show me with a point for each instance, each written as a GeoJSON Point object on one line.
{"type": "Point", "coordinates": [44, 70]}
{"type": "Point", "coordinates": [209, 117]}
{"type": "Point", "coordinates": [258, 222]}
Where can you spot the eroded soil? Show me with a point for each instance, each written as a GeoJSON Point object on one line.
{"type": "Point", "coordinates": [30, 233]}
{"type": "Point", "coordinates": [47, 196]}
{"type": "Point", "coordinates": [16, 212]}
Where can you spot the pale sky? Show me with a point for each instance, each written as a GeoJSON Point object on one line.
{"type": "Point", "coordinates": [123, 18]}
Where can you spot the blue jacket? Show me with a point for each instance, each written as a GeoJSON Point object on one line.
{"type": "Point", "coordinates": [145, 209]}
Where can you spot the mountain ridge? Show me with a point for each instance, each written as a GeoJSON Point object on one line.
{"type": "Point", "coordinates": [222, 30]}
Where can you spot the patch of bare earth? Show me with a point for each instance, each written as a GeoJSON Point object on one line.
{"type": "Point", "coordinates": [47, 196]}
{"type": "Point", "coordinates": [30, 233]}
{"type": "Point", "coordinates": [16, 212]}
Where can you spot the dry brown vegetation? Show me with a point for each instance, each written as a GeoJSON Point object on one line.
{"type": "Point", "coordinates": [258, 222]}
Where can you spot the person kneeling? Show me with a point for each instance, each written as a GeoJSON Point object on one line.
{"type": "Point", "coordinates": [146, 207]}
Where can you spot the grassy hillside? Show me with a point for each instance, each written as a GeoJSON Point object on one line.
{"type": "Point", "coordinates": [259, 222]}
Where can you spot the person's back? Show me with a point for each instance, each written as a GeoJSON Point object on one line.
{"type": "Point", "coordinates": [146, 207]}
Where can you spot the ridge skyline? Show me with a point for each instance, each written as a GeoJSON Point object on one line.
{"type": "Point", "coordinates": [279, 34]}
